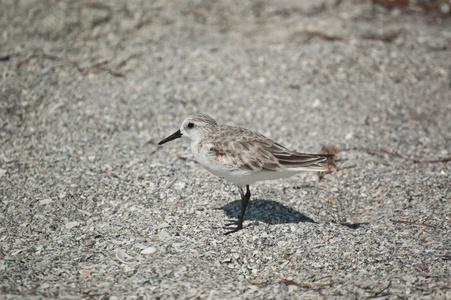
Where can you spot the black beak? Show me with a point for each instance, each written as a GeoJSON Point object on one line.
{"type": "Point", "coordinates": [173, 136]}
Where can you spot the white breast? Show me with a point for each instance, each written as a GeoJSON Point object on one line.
{"type": "Point", "coordinates": [207, 159]}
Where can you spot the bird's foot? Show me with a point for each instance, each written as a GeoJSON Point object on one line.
{"type": "Point", "coordinates": [239, 226]}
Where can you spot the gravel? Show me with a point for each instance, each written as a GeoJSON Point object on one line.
{"type": "Point", "coordinates": [92, 207]}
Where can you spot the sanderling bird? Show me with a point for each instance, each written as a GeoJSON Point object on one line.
{"type": "Point", "coordinates": [242, 156]}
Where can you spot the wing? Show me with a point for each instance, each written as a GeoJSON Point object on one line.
{"type": "Point", "coordinates": [293, 160]}
{"type": "Point", "coordinates": [246, 151]}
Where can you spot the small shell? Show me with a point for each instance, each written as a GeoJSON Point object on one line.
{"type": "Point", "coordinates": [85, 273]}
{"type": "Point", "coordinates": [45, 201]}
{"type": "Point", "coordinates": [122, 256]}
{"type": "Point", "coordinates": [73, 224]}
{"type": "Point", "coordinates": [149, 250]}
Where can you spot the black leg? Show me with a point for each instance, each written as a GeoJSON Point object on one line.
{"type": "Point", "coordinates": [244, 201]}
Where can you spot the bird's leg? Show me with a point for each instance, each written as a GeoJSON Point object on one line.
{"type": "Point", "coordinates": [244, 201]}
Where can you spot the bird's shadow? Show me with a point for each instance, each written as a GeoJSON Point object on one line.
{"type": "Point", "coordinates": [267, 211]}
{"type": "Point", "coordinates": [354, 225]}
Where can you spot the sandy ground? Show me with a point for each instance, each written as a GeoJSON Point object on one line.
{"type": "Point", "coordinates": [91, 207]}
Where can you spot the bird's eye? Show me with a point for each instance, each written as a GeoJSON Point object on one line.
{"type": "Point", "coordinates": [190, 125]}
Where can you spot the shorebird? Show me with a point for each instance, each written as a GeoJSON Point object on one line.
{"type": "Point", "coordinates": [242, 156]}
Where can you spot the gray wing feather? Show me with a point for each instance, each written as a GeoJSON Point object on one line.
{"type": "Point", "coordinates": [254, 152]}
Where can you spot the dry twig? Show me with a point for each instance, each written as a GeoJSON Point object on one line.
{"type": "Point", "coordinates": [322, 35]}
{"type": "Point", "coordinates": [97, 67]}
{"type": "Point", "coordinates": [413, 223]}
{"type": "Point", "coordinates": [381, 151]}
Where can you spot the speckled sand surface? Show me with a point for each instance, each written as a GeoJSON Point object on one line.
{"type": "Point", "coordinates": [80, 184]}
